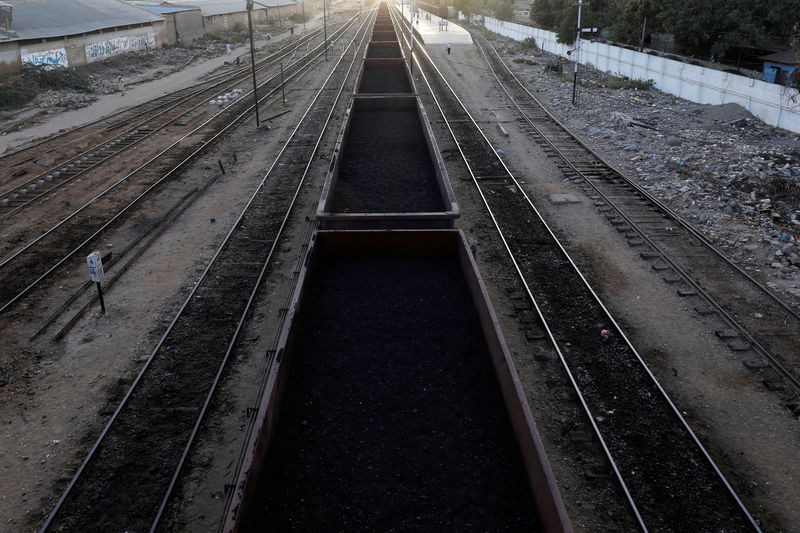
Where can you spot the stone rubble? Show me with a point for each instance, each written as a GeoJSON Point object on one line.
{"type": "Point", "coordinates": [734, 178]}
{"type": "Point", "coordinates": [63, 98]}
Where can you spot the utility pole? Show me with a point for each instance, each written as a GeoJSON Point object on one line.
{"type": "Point", "coordinates": [576, 52]}
{"type": "Point", "coordinates": [641, 42]}
{"type": "Point", "coordinates": [253, 57]}
{"type": "Point", "coordinates": [325, 24]}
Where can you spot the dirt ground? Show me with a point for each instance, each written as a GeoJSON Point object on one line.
{"type": "Point", "coordinates": [732, 413]}
{"type": "Point", "coordinates": [63, 392]}
{"type": "Point", "coordinates": [59, 394]}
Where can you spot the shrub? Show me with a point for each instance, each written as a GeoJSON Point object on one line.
{"type": "Point", "coordinates": [627, 83]}
{"type": "Point", "coordinates": [297, 18]}
{"type": "Point", "coordinates": [554, 66]}
{"type": "Point", "coordinates": [21, 86]}
{"type": "Point", "coordinates": [529, 44]}
{"type": "Point", "coordinates": [56, 77]}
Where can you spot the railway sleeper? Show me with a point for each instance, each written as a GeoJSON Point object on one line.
{"type": "Point", "coordinates": [660, 267]}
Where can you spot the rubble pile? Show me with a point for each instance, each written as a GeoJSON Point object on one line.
{"type": "Point", "coordinates": [63, 98]}
{"type": "Point", "coordinates": [734, 178]}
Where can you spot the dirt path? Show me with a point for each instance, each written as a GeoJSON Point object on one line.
{"type": "Point", "coordinates": [44, 125]}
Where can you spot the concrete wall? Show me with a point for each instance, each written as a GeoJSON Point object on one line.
{"type": "Point", "coordinates": [81, 49]}
{"type": "Point", "coordinates": [105, 45]}
{"type": "Point", "coordinates": [228, 21]}
{"type": "Point", "coordinates": [9, 56]}
{"type": "Point", "coordinates": [283, 12]}
{"type": "Point", "coordinates": [771, 103]}
{"type": "Point", "coordinates": [188, 25]}
{"type": "Point", "coordinates": [53, 57]}
{"type": "Point", "coordinates": [172, 36]}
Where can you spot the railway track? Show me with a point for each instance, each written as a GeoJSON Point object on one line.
{"type": "Point", "coordinates": [98, 133]}
{"type": "Point", "coordinates": [35, 261]}
{"type": "Point", "coordinates": [355, 380]}
{"type": "Point", "coordinates": [108, 139]}
{"type": "Point", "coordinates": [676, 250]}
{"type": "Point", "coordinates": [670, 481]}
{"type": "Point", "coordinates": [127, 479]}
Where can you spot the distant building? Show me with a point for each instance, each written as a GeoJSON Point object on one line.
{"type": "Point", "coordinates": [184, 23]}
{"type": "Point", "coordinates": [227, 15]}
{"type": "Point", "coordinates": [74, 32]}
{"type": "Point", "coordinates": [778, 66]}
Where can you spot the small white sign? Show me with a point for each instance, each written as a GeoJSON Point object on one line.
{"type": "Point", "coordinates": [95, 266]}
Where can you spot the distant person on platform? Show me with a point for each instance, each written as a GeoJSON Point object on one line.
{"type": "Point", "coordinates": [121, 85]}
{"type": "Point", "coordinates": [448, 48]}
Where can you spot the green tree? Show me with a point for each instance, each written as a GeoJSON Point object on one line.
{"type": "Point", "coordinates": [542, 13]}
{"type": "Point", "coordinates": [469, 7]}
{"type": "Point", "coordinates": [628, 17]}
{"type": "Point", "coordinates": [594, 14]}
{"type": "Point", "coordinates": [715, 27]}
{"type": "Point", "coordinates": [503, 9]}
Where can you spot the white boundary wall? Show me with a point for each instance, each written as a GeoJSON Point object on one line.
{"type": "Point", "coordinates": [770, 102]}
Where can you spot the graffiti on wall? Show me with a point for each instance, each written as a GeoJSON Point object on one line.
{"type": "Point", "coordinates": [119, 45]}
{"type": "Point", "coordinates": [47, 57]}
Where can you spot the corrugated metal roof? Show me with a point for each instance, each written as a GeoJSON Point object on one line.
{"type": "Point", "coordinates": [221, 7]}
{"type": "Point", "coordinates": [39, 19]}
{"type": "Point", "coordinates": [163, 10]}
{"type": "Point", "coordinates": [786, 57]}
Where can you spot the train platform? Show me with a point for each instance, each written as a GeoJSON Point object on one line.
{"type": "Point", "coordinates": [434, 29]}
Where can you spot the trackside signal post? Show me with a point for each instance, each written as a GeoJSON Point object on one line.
{"type": "Point", "coordinates": [575, 52]}
{"type": "Point", "coordinates": [249, 7]}
{"type": "Point", "coordinates": [96, 274]}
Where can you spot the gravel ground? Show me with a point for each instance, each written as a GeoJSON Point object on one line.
{"type": "Point", "coordinates": [733, 177]}
{"type": "Point", "coordinates": [54, 402]}
{"type": "Point", "coordinates": [136, 68]}
{"type": "Point", "coordinates": [732, 414]}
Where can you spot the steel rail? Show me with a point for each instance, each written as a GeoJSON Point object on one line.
{"type": "Point", "coordinates": [268, 260]}
{"type": "Point", "coordinates": [312, 224]}
{"type": "Point", "coordinates": [180, 312]}
{"type": "Point", "coordinates": [543, 320]}
{"type": "Point", "coordinates": [230, 78]}
{"type": "Point", "coordinates": [314, 54]}
{"type": "Point", "coordinates": [786, 373]}
{"type": "Point", "coordinates": [686, 225]}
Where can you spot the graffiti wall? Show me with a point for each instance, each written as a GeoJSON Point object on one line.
{"type": "Point", "coordinates": [47, 57]}
{"type": "Point", "coordinates": [119, 45]}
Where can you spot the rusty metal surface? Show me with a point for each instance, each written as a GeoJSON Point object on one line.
{"type": "Point", "coordinates": [547, 498]}
{"type": "Point", "coordinates": [384, 36]}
